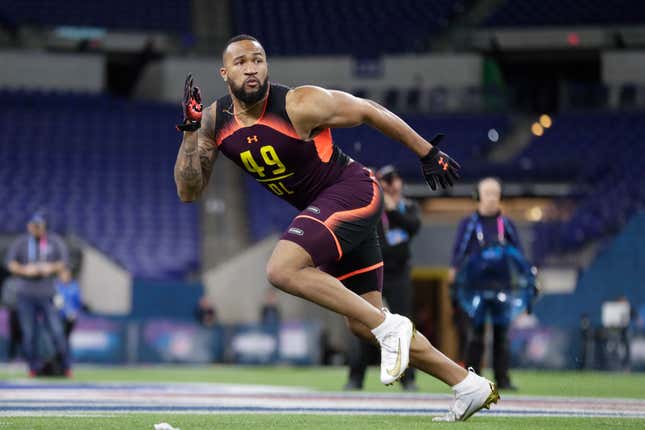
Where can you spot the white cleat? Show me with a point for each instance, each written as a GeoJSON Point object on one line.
{"type": "Point", "coordinates": [394, 335]}
{"type": "Point", "coordinates": [471, 395]}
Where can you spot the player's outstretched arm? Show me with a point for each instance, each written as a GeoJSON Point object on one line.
{"type": "Point", "coordinates": [196, 157]}
{"type": "Point", "coordinates": [312, 109]}
{"type": "Point", "coordinates": [198, 148]}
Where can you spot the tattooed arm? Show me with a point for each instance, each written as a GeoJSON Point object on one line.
{"type": "Point", "coordinates": [195, 159]}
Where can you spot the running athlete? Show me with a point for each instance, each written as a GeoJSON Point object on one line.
{"type": "Point", "coordinates": [330, 253]}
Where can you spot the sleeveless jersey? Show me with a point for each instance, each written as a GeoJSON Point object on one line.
{"type": "Point", "coordinates": [270, 150]}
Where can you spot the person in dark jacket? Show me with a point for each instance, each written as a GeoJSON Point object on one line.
{"type": "Point", "coordinates": [35, 260]}
{"type": "Point", "coordinates": [486, 230]}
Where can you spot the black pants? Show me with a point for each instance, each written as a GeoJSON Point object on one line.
{"type": "Point", "coordinates": [56, 366]}
{"type": "Point", "coordinates": [15, 334]}
{"type": "Point", "coordinates": [462, 324]}
{"type": "Point", "coordinates": [475, 351]}
{"type": "Point", "coordinates": [68, 327]}
{"type": "Point", "coordinates": [397, 290]}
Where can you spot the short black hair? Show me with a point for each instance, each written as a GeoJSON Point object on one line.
{"type": "Point", "coordinates": [238, 38]}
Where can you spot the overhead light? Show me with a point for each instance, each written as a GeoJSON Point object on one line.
{"type": "Point", "coordinates": [535, 214]}
{"type": "Point", "coordinates": [537, 129]}
{"type": "Point", "coordinates": [545, 121]}
{"type": "Point", "coordinates": [493, 135]}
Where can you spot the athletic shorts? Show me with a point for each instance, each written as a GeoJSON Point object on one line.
{"type": "Point", "coordinates": [338, 230]}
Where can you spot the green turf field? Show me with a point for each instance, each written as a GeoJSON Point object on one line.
{"type": "Point", "coordinates": [312, 422]}
{"type": "Point", "coordinates": [542, 383]}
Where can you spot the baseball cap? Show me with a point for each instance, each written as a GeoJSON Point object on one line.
{"type": "Point", "coordinates": [387, 173]}
{"type": "Point", "coordinates": [38, 217]}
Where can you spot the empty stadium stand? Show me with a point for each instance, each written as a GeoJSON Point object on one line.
{"type": "Point", "coordinates": [528, 13]}
{"type": "Point", "coordinates": [110, 163]}
{"type": "Point", "coordinates": [167, 15]}
{"type": "Point", "coordinates": [363, 28]}
{"type": "Point", "coordinates": [103, 169]}
{"type": "Point", "coordinates": [602, 153]}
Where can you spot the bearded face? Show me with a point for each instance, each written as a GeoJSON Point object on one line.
{"type": "Point", "coordinates": [251, 90]}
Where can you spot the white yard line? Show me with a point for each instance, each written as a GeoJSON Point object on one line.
{"type": "Point", "coordinates": [33, 398]}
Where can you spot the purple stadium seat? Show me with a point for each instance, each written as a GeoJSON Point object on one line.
{"type": "Point", "coordinates": [103, 169]}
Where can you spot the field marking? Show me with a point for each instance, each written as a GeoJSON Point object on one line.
{"type": "Point", "coordinates": [34, 398]}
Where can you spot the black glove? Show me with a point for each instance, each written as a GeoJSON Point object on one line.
{"type": "Point", "coordinates": [438, 167]}
{"type": "Point", "coordinates": [192, 106]}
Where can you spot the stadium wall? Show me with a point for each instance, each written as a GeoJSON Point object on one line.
{"type": "Point", "coordinates": [623, 255]}
{"type": "Point", "coordinates": [164, 80]}
{"type": "Point", "coordinates": [620, 67]}
{"type": "Point", "coordinates": [106, 287]}
{"type": "Point", "coordinates": [46, 71]}
{"type": "Point", "coordinates": [164, 299]}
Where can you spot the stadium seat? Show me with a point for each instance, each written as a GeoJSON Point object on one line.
{"type": "Point", "coordinates": [362, 28]}
{"type": "Point", "coordinates": [523, 13]}
{"type": "Point", "coordinates": [103, 170]}
{"type": "Point", "coordinates": [167, 15]}
{"type": "Point", "coordinates": [600, 152]}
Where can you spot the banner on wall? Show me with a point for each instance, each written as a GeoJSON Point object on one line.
{"type": "Point", "coordinates": [542, 347]}
{"type": "Point", "coordinates": [293, 342]}
{"type": "Point", "coordinates": [172, 341]}
{"type": "Point", "coordinates": [118, 341]}
{"type": "Point", "coordinates": [99, 340]}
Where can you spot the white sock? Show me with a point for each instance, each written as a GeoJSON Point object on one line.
{"type": "Point", "coordinates": [467, 381]}
{"type": "Point", "coordinates": [382, 329]}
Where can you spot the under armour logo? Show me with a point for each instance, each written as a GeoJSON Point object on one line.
{"type": "Point", "coordinates": [251, 139]}
{"type": "Point", "coordinates": [443, 163]}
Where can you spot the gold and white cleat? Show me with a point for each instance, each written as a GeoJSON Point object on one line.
{"type": "Point", "coordinates": [394, 336]}
{"type": "Point", "coordinates": [471, 395]}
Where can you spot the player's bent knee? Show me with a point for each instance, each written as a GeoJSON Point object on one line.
{"type": "Point", "coordinates": [273, 275]}
{"type": "Point", "coordinates": [277, 275]}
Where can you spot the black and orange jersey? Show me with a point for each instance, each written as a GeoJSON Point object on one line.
{"type": "Point", "coordinates": [272, 152]}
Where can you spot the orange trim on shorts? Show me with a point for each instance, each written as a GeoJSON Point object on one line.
{"type": "Point", "coordinates": [338, 248]}
{"type": "Point", "coordinates": [359, 271]}
{"type": "Point", "coordinates": [352, 214]}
